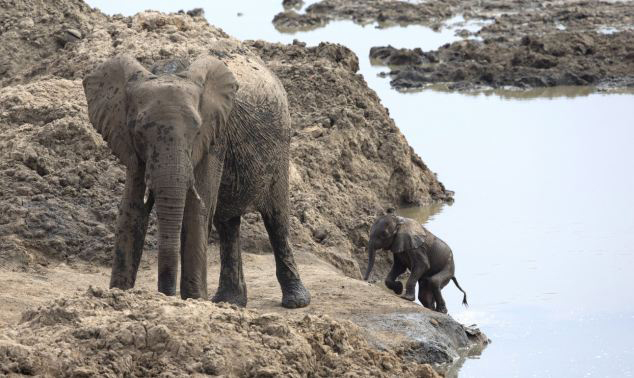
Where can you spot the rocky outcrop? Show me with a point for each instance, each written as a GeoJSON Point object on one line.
{"type": "Point", "coordinates": [385, 12]}
{"type": "Point", "coordinates": [560, 58]}
{"type": "Point", "coordinates": [522, 44]}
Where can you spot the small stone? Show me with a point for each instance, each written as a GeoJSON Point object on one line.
{"type": "Point", "coordinates": [320, 234]}
{"type": "Point", "coordinates": [74, 32]}
{"type": "Point", "coordinates": [314, 131]}
{"type": "Point", "coordinates": [26, 23]}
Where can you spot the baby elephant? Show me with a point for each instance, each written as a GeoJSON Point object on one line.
{"type": "Point", "coordinates": [428, 258]}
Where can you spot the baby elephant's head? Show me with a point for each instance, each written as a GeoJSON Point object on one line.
{"type": "Point", "coordinates": [381, 237]}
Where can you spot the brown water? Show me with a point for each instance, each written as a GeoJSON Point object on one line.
{"type": "Point", "coordinates": [543, 223]}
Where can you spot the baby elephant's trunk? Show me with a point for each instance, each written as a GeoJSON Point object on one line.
{"type": "Point", "coordinates": [464, 299]}
{"type": "Point", "coordinates": [371, 254]}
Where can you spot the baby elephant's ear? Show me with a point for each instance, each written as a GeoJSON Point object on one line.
{"type": "Point", "coordinates": [219, 88]}
{"type": "Point", "coordinates": [105, 89]}
{"type": "Point", "coordinates": [409, 235]}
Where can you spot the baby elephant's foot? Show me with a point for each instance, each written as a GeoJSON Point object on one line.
{"type": "Point", "coordinates": [397, 287]}
{"type": "Point", "coordinates": [295, 295]}
{"type": "Point", "coordinates": [409, 297]}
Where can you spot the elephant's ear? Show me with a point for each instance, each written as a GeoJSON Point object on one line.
{"type": "Point", "coordinates": [105, 89]}
{"type": "Point", "coordinates": [409, 235]}
{"type": "Point", "coordinates": [219, 88]}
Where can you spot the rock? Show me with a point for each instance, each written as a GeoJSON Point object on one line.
{"type": "Point", "coordinates": [297, 4]}
{"type": "Point", "coordinates": [74, 33]}
{"type": "Point", "coordinates": [320, 234]}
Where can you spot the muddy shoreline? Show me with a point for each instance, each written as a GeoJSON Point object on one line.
{"type": "Point", "coordinates": [522, 44]}
{"type": "Point", "coordinates": [61, 186]}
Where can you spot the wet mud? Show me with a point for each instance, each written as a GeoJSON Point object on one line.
{"type": "Point", "coordinates": [522, 44]}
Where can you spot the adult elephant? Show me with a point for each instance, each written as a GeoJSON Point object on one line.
{"type": "Point", "coordinates": [207, 141]}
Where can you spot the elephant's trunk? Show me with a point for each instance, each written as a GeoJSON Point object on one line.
{"type": "Point", "coordinates": [170, 194]}
{"type": "Point", "coordinates": [371, 254]}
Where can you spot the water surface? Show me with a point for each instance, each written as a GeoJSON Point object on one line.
{"type": "Point", "coordinates": [543, 223]}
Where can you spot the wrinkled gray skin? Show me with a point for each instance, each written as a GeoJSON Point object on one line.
{"type": "Point", "coordinates": [203, 141]}
{"type": "Point", "coordinates": [428, 258]}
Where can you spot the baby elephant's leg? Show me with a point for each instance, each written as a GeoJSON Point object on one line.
{"type": "Point", "coordinates": [425, 294]}
{"type": "Point", "coordinates": [436, 283]}
{"type": "Point", "coordinates": [417, 271]}
{"type": "Point", "coordinates": [391, 281]}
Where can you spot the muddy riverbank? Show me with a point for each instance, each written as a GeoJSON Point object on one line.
{"type": "Point", "coordinates": [523, 44]}
{"type": "Point", "coordinates": [61, 186]}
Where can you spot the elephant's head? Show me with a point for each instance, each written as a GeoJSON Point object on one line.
{"type": "Point", "coordinates": [394, 233]}
{"type": "Point", "coordinates": [160, 127]}
{"type": "Point", "coordinates": [381, 236]}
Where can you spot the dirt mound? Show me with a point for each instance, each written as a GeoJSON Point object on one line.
{"type": "Point", "coordinates": [561, 58]}
{"type": "Point", "coordinates": [60, 185]}
{"type": "Point", "coordinates": [139, 333]}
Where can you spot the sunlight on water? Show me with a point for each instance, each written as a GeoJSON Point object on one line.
{"type": "Point", "coordinates": [542, 228]}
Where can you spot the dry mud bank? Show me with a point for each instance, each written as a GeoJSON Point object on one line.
{"type": "Point", "coordinates": [141, 333]}
{"type": "Point", "coordinates": [524, 44]}
{"type": "Point", "coordinates": [350, 327]}
{"type": "Point", "coordinates": [60, 186]}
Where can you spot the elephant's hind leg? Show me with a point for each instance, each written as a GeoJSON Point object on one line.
{"type": "Point", "coordinates": [294, 294]}
{"type": "Point", "coordinates": [231, 286]}
{"type": "Point", "coordinates": [436, 283]}
{"type": "Point", "coordinates": [426, 294]}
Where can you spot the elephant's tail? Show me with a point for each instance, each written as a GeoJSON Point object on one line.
{"type": "Point", "coordinates": [464, 299]}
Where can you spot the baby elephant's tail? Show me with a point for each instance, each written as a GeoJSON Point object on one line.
{"type": "Point", "coordinates": [464, 299]}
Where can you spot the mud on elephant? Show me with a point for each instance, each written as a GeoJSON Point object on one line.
{"type": "Point", "coordinates": [202, 141]}
{"type": "Point", "coordinates": [429, 259]}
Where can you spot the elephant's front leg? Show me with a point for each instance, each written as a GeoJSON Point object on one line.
{"type": "Point", "coordinates": [231, 286]}
{"type": "Point", "coordinates": [391, 281]}
{"type": "Point", "coordinates": [132, 225]}
{"type": "Point", "coordinates": [425, 294]}
{"type": "Point", "coordinates": [419, 266]}
{"type": "Point", "coordinates": [199, 206]}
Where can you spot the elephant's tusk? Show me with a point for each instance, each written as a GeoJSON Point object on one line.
{"type": "Point", "coordinates": [147, 194]}
{"type": "Point", "coordinates": [196, 193]}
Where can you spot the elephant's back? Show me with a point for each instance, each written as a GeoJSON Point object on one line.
{"type": "Point", "coordinates": [258, 85]}
{"type": "Point", "coordinates": [258, 135]}
{"type": "Point", "coordinates": [441, 257]}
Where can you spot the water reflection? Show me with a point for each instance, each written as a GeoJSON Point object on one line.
{"type": "Point", "coordinates": [422, 214]}
{"type": "Point", "coordinates": [533, 93]}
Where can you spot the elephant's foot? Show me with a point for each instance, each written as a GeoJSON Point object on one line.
{"type": "Point", "coordinates": [236, 296]}
{"type": "Point", "coordinates": [120, 283]}
{"type": "Point", "coordinates": [396, 286]}
{"type": "Point", "coordinates": [409, 297]}
{"type": "Point", "coordinates": [167, 283]}
{"type": "Point", "coordinates": [441, 309]}
{"type": "Point", "coordinates": [295, 295]}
